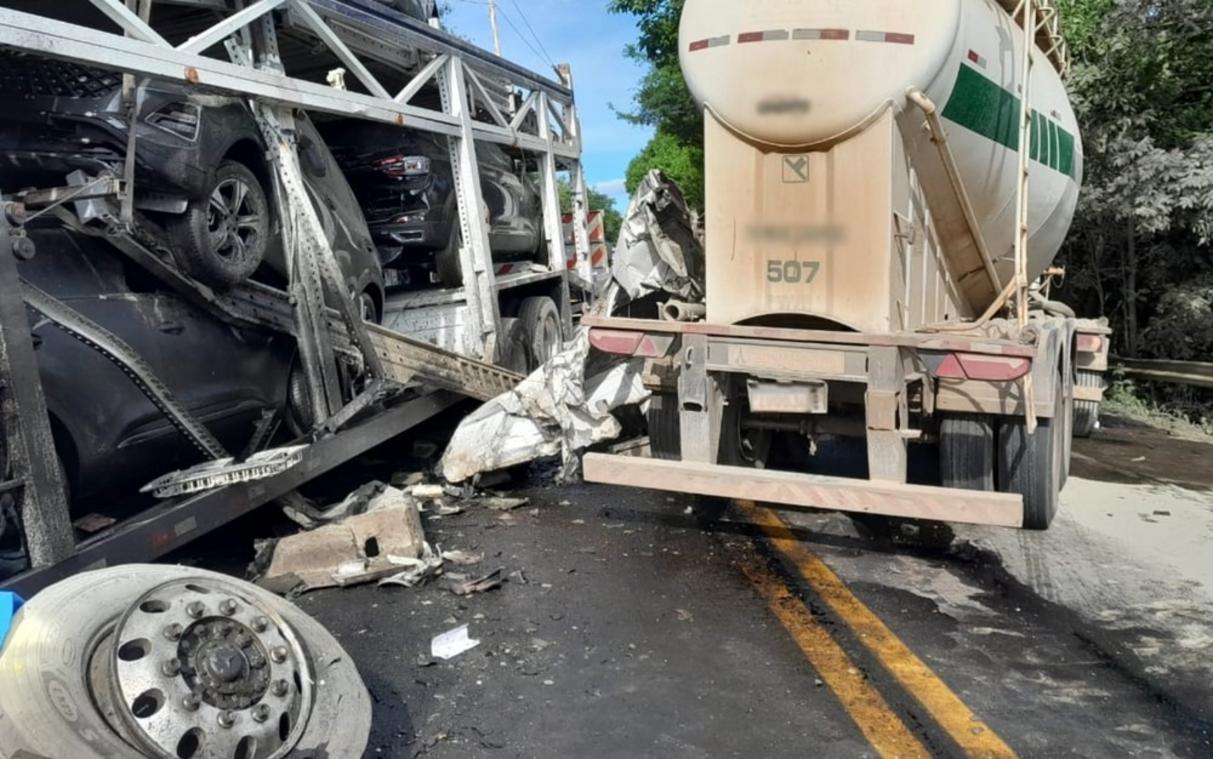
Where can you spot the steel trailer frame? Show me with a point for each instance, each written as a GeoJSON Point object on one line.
{"type": "Point", "coordinates": [358, 33]}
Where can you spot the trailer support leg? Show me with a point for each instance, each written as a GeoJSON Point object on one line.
{"type": "Point", "coordinates": [885, 408]}
{"type": "Point", "coordinates": [44, 513]}
{"type": "Point", "coordinates": [701, 403]}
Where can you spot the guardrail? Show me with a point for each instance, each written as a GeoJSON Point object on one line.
{"type": "Point", "coordinates": [1193, 373]}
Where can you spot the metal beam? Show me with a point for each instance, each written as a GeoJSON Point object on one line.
{"type": "Point", "coordinates": [330, 38]}
{"type": "Point", "coordinates": [130, 22]}
{"type": "Point", "coordinates": [44, 514]}
{"type": "Point", "coordinates": [813, 491]}
{"type": "Point", "coordinates": [171, 525]}
{"type": "Point", "coordinates": [228, 26]}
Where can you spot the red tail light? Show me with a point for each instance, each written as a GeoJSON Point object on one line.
{"type": "Point", "coordinates": [401, 166]}
{"type": "Point", "coordinates": [977, 366]}
{"type": "Point", "coordinates": [1089, 343]}
{"type": "Point", "coordinates": [627, 343]}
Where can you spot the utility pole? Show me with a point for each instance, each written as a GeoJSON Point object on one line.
{"type": "Point", "coordinates": [493, 23]}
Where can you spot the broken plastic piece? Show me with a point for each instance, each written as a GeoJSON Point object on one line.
{"type": "Point", "coordinates": [451, 643]}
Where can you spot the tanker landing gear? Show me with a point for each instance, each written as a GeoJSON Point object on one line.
{"type": "Point", "coordinates": [175, 662]}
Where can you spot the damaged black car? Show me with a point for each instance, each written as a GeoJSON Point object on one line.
{"type": "Point", "coordinates": [201, 179]}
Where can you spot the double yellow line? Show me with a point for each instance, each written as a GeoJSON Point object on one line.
{"type": "Point", "coordinates": [883, 728]}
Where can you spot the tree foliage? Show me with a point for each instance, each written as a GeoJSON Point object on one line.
{"type": "Point", "coordinates": [1143, 90]}
{"type": "Point", "coordinates": [663, 100]}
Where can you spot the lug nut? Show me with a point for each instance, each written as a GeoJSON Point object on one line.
{"type": "Point", "coordinates": [261, 624]}
{"type": "Point", "coordinates": [227, 719]}
{"type": "Point", "coordinates": [191, 702]}
{"type": "Point", "coordinates": [228, 607]}
{"type": "Point", "coordinates": [171, 668]}
{"type": "Point", "coordinates": [280, 688]}
{"type": "Point", "coordinates": [261, 712]}
{"type": "Point", "coordinates": [278, 654]}
{"type": "Point", "coordinates": [173, 632]}
{"type": "Point", "coordinates": [195, 609]}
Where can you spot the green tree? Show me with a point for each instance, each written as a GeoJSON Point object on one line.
{"type": "Point", "coordinates": [663, 101]}
{"type": "Point", "coordinates": [681, 161]}
{"type": "Point", "coordinates": [1142, 87]}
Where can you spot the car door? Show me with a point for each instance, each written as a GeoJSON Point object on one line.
{"type": "Point", "coordinates": [223, 376]}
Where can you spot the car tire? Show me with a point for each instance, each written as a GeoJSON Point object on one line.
{"type": "Point", "coordinates": [515, 351]}
{"type": "Point", "coordinates": [966, 452]}
{"type": "Point", "coordinates": [368, 307]}
{"type": "Point", "coordinates": [222, 237]}
{"type": "Point", "coordinates": [1032, 466]}
{"type": "Point", "coordinates": [446, 261]}
{"type": "Point", "coordinates": [541, 321]}
{"type": "Point", "coordinates": [46, 702]}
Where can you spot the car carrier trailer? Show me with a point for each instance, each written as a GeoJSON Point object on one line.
{"type": "Point", "coordinates": [883, 183]}
{"type": "Point", "coordinates": [366, 383]}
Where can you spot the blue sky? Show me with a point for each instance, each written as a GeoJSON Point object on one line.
{"type": "Point", "coordinates": [583, 34]}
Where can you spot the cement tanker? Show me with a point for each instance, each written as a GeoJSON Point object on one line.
{"type": "Point", "coordinates": [878, 199]}
{"type": "Point", "coordinates": [796, 76]}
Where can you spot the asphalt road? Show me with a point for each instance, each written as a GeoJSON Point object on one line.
{"type": "Point", "coordinates": [633, 623]}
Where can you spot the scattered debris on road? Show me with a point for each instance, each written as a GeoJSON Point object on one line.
{"type": "Point", "coordinates": [371, 534]}
{"type": "Point", "coordinates": [451, 643]}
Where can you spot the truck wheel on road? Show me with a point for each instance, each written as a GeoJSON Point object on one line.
{"type": "Point", "coordinates": [222, 238]}
{"type": "Point", "coordinates": [1032, 465]}
{"type": "Point", "coordinates": [177, 662]}
{"type": "Point", "coordinates": [541, 320]}
{"type": "Point", "coordinates": [1086, 413]}
{"type": "Point", "coordinates": [966, 451]}
{"type": "Point", "coordinates": [665, 434]}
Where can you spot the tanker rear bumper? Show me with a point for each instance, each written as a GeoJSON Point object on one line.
{"type": "Point", "coordinates": [808, 490]}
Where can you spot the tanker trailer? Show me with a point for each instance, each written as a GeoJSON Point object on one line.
{"type": "Point", "coordinates": [878, 199]}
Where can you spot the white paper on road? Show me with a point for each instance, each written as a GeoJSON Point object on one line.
{"type": "Point", "coordinates": [451, 643]}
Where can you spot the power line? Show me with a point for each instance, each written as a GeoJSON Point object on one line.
{"type": "Point", "coordinates": [527, 21]}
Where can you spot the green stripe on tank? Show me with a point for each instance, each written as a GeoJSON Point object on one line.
{"type": "Point", "coordinates": [980, 105]}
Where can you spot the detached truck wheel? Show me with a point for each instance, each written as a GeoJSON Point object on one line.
{"type": "Point", "coordinates": [1032, 465]}
{"type": "Point", "coordinates": [159, 661]}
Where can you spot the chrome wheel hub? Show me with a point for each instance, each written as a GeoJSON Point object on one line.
{"type": "Point", "coordinates": [198, 669]}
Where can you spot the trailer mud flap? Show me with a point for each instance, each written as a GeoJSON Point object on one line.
{"type": "Point", "coordinates": [809, 490]}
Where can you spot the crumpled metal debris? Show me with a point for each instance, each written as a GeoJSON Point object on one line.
{"type": "Point", "coordinates": [658, 248]}
{"type": "Point", "coordinates": [417, 570]}
{"type": "Point", "coordinates": [461, 585]}
{"type": "Point", "coordinates": [555, 411]}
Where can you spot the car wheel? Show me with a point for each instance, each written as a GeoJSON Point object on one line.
{"type": "Point", "coordinates": [180, 662]}
{"type": "Point", "coordinates": [541, 321]}
{"type": "Point", "coordinates": [368, 308]}
{"type": "Point", "coordinates": [222, 238]}
{"type": "Point", "coordinates": [515, 352]}
{"type": "Point", "coordinates": [446, 261]}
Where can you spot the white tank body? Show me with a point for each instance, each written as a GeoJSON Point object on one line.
{"type": "Point", "coordinates": [804, 75]}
